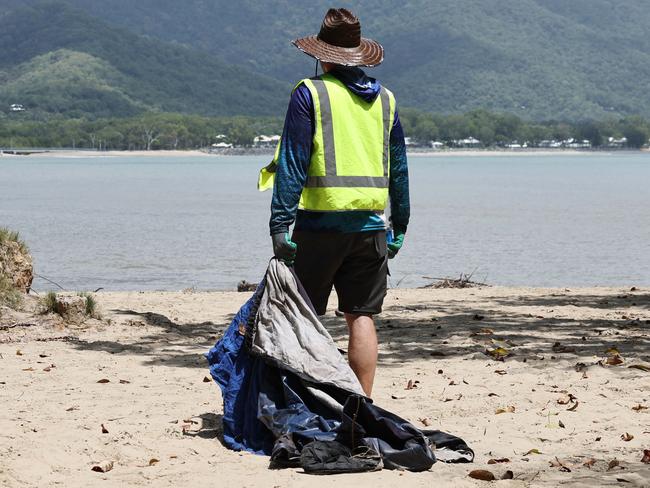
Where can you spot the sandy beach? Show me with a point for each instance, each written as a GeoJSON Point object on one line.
{"type": "Point", "coordinates": [132, 389]}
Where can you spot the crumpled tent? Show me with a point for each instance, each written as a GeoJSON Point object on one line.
{"type": "Point", "coordinates": [289, 393]}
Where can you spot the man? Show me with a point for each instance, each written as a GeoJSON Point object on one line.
{"type": "Point", "coordinates": [341, 156]}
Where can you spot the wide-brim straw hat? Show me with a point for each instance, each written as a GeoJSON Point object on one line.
{"type": "Point", "coordinates": [339, 42]}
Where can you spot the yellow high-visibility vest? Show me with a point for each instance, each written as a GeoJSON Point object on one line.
{"type": "Point", "coordinates": [350, 159]}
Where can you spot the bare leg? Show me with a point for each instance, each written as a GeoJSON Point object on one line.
{"type": "Point", "coordinates": [362, 349]}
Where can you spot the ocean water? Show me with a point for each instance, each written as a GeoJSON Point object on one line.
{"type": "Point", "coordinates": [169, 223]}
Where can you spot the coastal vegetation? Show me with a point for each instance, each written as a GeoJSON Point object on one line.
{"type": "Point", "coordinates": [177, 131]}
{"type": "Point", "coordinates": [537, 59]}
{"type": "Point", "coordinates": [12, 251]}
{"type": "Point", "coordinates": [59, 61]}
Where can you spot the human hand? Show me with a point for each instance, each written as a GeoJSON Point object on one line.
{"type": "Point", "coordinates": [396, 244]}
{"type": "Point", "coordinates": [284, 248]}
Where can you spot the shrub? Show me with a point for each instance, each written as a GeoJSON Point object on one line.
{"type": "Point", "coordinates": [9, 296]}
{"type": "Point", "coordinates": [49, 303]}
{"type": "Point", "coordinates": [91, 305]}
{"type": "Point", "coordinates": [7, 235]}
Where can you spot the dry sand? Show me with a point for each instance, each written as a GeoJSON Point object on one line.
{"type": "Point", "coordinates": [157, 404]}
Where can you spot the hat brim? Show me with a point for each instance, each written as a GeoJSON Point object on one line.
{"type": "Point", "coordinates": [369, 53]}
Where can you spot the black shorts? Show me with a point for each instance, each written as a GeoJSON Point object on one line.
{"type": "Point", "coordinates": [356, 264]}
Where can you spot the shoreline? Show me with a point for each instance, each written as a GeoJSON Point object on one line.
{"type": "Point", "coordinates": [85, 154]}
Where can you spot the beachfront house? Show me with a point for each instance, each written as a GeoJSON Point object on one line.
{"type": "Point", "coordinates": [468, 143]}
{"type": "Point", "coordinates": [615, 143]}
{"type": "Point", "coordinates": [576, 144]}
{"type": "Point", "coordinates": [266, 141]}
{"type": "Point", "coordinates": [221, 145]}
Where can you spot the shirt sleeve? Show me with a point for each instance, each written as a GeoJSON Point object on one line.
{"type": "Point", "coordinates": [398, 189]}
{"type": "Point", "coordinates": [293, 160]}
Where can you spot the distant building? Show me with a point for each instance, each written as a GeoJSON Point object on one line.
{"type": "Point", "coordinates": [266, 141]}
{"type": "Point", "coordinates": [437, 144]}
{"type": "Point", "coordinates": [16, 107]}
{"type": "Point", "coordinates": [470, 142]}
{"type": "Point", "coordinates": [221, 145]}
{"type": "Point", "coordinates": [552, 144]}
{"type": "Point", "coordinates": [576, 144]}
{"type": "Point", "coordinates": [616, 143]}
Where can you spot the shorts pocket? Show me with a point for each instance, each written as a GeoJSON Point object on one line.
{"type": "Point", "coordinates": [380, 244]}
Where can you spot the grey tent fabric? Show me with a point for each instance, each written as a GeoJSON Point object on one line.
{"type": "Point", "coordinates": [289, 334]}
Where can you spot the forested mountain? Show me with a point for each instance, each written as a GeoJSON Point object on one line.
{"type": "Point", "coordinates": [56, 59]}
{"type": "Point", "coordinates": [539, 59]}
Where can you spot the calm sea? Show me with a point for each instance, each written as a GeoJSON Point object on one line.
{"type": "Point", "coordinates": [145, 223]}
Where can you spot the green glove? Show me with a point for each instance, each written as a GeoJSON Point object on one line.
{"type": "Point", "coordinates": [284, 248]}
{"type": "Point", "coordinates": [396, 245]}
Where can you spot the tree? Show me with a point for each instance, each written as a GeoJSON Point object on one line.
{"type": "Point", "coordinates": [591, 132]}
{"type": "Point", "coordinates": [635, 129]}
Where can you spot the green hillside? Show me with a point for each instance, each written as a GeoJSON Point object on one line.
{"type": "Point", "coordinates": [539, 59]}
{"type": "Point", "coordinates": [58, 60]}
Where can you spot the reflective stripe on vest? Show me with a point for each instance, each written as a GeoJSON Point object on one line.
{"type": "Point", "coordinates": [368, 188]}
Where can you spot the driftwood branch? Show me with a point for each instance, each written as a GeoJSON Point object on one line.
{"type": "Point", "coordinates": [49, 281]}
{"type": "Point", "coordinates": [19, 324]}
{"type": "Point", "coordinates": [463, 281]}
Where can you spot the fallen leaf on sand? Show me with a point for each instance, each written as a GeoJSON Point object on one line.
{"type": "Point", "coordinates": [642, 367]}
{"type": "Point", "coordinates": [28, 369]}
{"type": "Point", "coordinates": [627, 437]}
{"type": "Point", "coordinates": [566, 399]}
{"type": "Point", "coordinates": [482, 474]}
{"type": "Point", "coordinates": [614, 360]}
{"type": "Point", "coordinates": [613, 464]}
{"type": "Point", "coordinates": [19, 352]}
{"type": "Point", "coordinates": [426, 421]}
{"type": "Point", "coordinates": [206, 379]}
{"type": "Point", "coordinates": [556, 463]}
{"type": "Point", "coordinates": [492, 395]}
{"type": "Point", "coordinates": [411, 384]}
{"type": "Point", "coordinates": [124, 382]}
{"type": "Point", "coordinates": [104, 380]}
{"type": "Point", "coordinates": [508, 475]}
{"type": "Point", "coordinates": [501, 372]}
{"type": "Point", "coordinates": [639, 407]}
{"type": "Point", "coordinates": [153, 461]}
{"type": "Point", "coordinates": [104, 430]}
{"type": "Point", "coordinates": [589, 463]}
{"type": "Point", "coordinates": [532, 451]}
{"type": "Point", "coordinates": [510, 409]}
{"type": "Point", "coordinates": [559, 422]}
{"type": "Point", "coordinates": [646, 456]}
{"type": "Point", "coordinates": [398, 397]}
{"type": "Point", "coordinates": [498, 460]}
{"type": "Point", "coordinates": [498, 353]}
{"type": "Point", "coordinates": [47, 369]}
{"type": "Point", "coordinates": [103, 467]}
{"type": "Point", "coordinates": [575, 405]}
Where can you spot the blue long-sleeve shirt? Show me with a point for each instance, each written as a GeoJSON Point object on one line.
{"type": "Point", "coordinates": [295, 155]}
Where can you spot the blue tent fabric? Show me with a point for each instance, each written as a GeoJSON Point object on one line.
{"type": "Point", "coordinates": [273, 411]}
{"type": "Point", "coordinates": [239, 375]}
